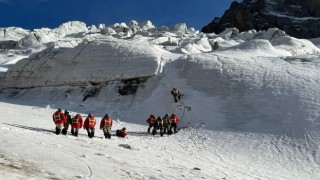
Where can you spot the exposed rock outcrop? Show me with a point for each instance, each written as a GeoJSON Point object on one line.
{"type": "Point", "coordinates": [298, 18]}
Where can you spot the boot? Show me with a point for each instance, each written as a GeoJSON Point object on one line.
{"type": "Point", "coordinates": [76, 134]}
{"type": "Point", "coordinates": [72, 132]}
{"type": "Point", "coordinates": [92, 134]}
{"type": "Point", "coordinates": [109, 136]}
{"type": "Point", "coordinates": [106, 135]}
{"type": "Point", "coordinates": [58, 131]}
{"type": "Point", "coordinates": [64, 131]}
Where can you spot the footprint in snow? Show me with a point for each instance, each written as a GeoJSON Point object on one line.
{"type": "Point", "coordinates": [79, 176]}
{"type": "Point", "coordinates": [101, 154]}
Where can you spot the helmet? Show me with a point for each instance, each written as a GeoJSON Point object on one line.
{"type": "Point", "coordinates": [166, 115]}
{"type": "Point", "coordinates": [89, 114]}
{"type": "Point", "coordinates": [66, 112]}
{"type": "Point", "coordinates": [153, 116]}
{"type": "Point", "coordinates": [159, 117]}
{"type": "Point", "coordinates": [124, 129]}
{"type": "Point", "coordinates": [59, 109]}
{"type": "Point", "coordinates": [174, 88]}
{"type": "Point", "coordinates": [106, 116]}
{"type": "Point", "coordinates": [173, 115]}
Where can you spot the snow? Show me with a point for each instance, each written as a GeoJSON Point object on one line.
{"type": "Point", "coordinates": [13, 33]}
{"type": "Point", "coordinates": [292, 17]}
{"type": "Point", "coordinates": [250, 108]}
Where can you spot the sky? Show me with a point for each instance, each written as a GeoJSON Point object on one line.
{"type": "Point", "coordinates": [31, 14]}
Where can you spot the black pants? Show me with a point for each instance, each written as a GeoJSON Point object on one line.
{"type": "Point", "coordinates": [176, 97]}
{"type": "Point", "coordinates": [90, 132]}
{"type": "Point", "coordinates": [58, 130]}
{"type": "Point", "coordinates": [65, 128]}
{"type": "Point", "coordinates": [166, 129]}
{"type": "Point", "coordinates": [174, 127]}
{"type": "Point", "coordinates": [154, 131]}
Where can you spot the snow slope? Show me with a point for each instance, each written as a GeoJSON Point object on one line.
{"type": "Point", "coordinates": [253, 96]}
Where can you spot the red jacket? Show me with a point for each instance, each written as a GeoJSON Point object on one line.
{"type": "Point", "coordinates": [59, 118]}
{"type": "Point", "coordinates": [151, 120]}
{"type": "Point", "coordinates": [122, 133]}
{"type": "Point", "coordinates": [76, 121]}
{"type": "Point", "coordinates": [90, 122]}
{"type": "Point", "coordinates": [174, 119]}
{"type": "Point", "coordinates": [106, 122]}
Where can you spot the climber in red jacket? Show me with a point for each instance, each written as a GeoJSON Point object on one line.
{"type": "Point", "coordinates": [59, 119]}
{"type": "Point", "coordinates": [89, 125]}
{"type": "Point", "coordinates": [122, 133]}
{"type": "Point", "coordinates": [106, 125]}
{"type": "Point", "coordinates": [76, 124]}
{"type": "Point", "coordinates": [151, 121]}
{"type": "Point", "coordinates": [174, 122]}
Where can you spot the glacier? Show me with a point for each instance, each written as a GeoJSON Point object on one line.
{"type": "Point", "coordinates": [254, 97]}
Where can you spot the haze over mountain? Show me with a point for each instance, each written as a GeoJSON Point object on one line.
{"type": "Point", "coordinates": [250, 108]}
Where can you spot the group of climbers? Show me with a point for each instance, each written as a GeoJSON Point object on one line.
{"type": "Point", "coordinates": [166, 125]}
{"type": "Point", "coordinates": [64, 120]}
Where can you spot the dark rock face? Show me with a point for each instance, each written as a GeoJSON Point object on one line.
{"type": "Point", "coordinates": [8, 44]}
{"type": "Point", "coordinates": [298, 18]}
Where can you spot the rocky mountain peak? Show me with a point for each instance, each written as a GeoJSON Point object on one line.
{"type": "Point", "coordinates": [298, 18]}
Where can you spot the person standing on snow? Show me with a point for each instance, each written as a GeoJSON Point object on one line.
{"type": "Point", "coordinates": [122, 133]}
{"type": "Point", "coordinates": [68, 122]}
{"type": "Point", "coordinates": [166, 123]}
{"type": "Point", "coordinates": [174, 122]}
{"type": "Point", "coordinates": [89, 125]}
{"type": "Point", "coordinates": [106, 125]}
{"type": "Point", "coordinates": [151, 120]}
{"type": "Point", "coordinates": [176, 94]}
{"type": "Point", "coordinates": [158, 125]}
{"type": "Point", "coordinates": [59, 119]}
{"type": "Point", "coordinates": [76, 124]}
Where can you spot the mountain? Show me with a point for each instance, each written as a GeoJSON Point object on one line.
{"type": "Point", "coordinates": [249, 110]}
{"type": "Point", "coordinates": [298, 18]}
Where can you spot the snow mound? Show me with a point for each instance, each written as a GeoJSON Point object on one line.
{"type": "Point", "coordinates": [97, 62]}
{"type": "Point", "coordinates": [30, 41]}
{"type": "Point", "coordinates": [229, 33]}
{"type": "Point", "coordinates": [122, 27]}
{"type": "Point", "coordinates": [180, 27]}
{"type": "Point", "coordinates": [295, 46]}
{"type": "Point", "coordinates": [220, 43]}
{"type": "Point", "coordinates": [198, 45]}
{"type": "Point", "coordinates": [269, 34]}
{"type": "Point", "coordinates": [259, 47]}
{"type": "Point", "coordinates": [255, 44]}
{"type": "Point", "coordinates": [13, 33]}
{"type": "Point", "coordinates": [166, 41]}
{"type": "Point", "coordinates": [108, 31]}
{"type": "Point", "coordinates": [147, 25]}
{"type": "Point", "coordinates": [68, 28]}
